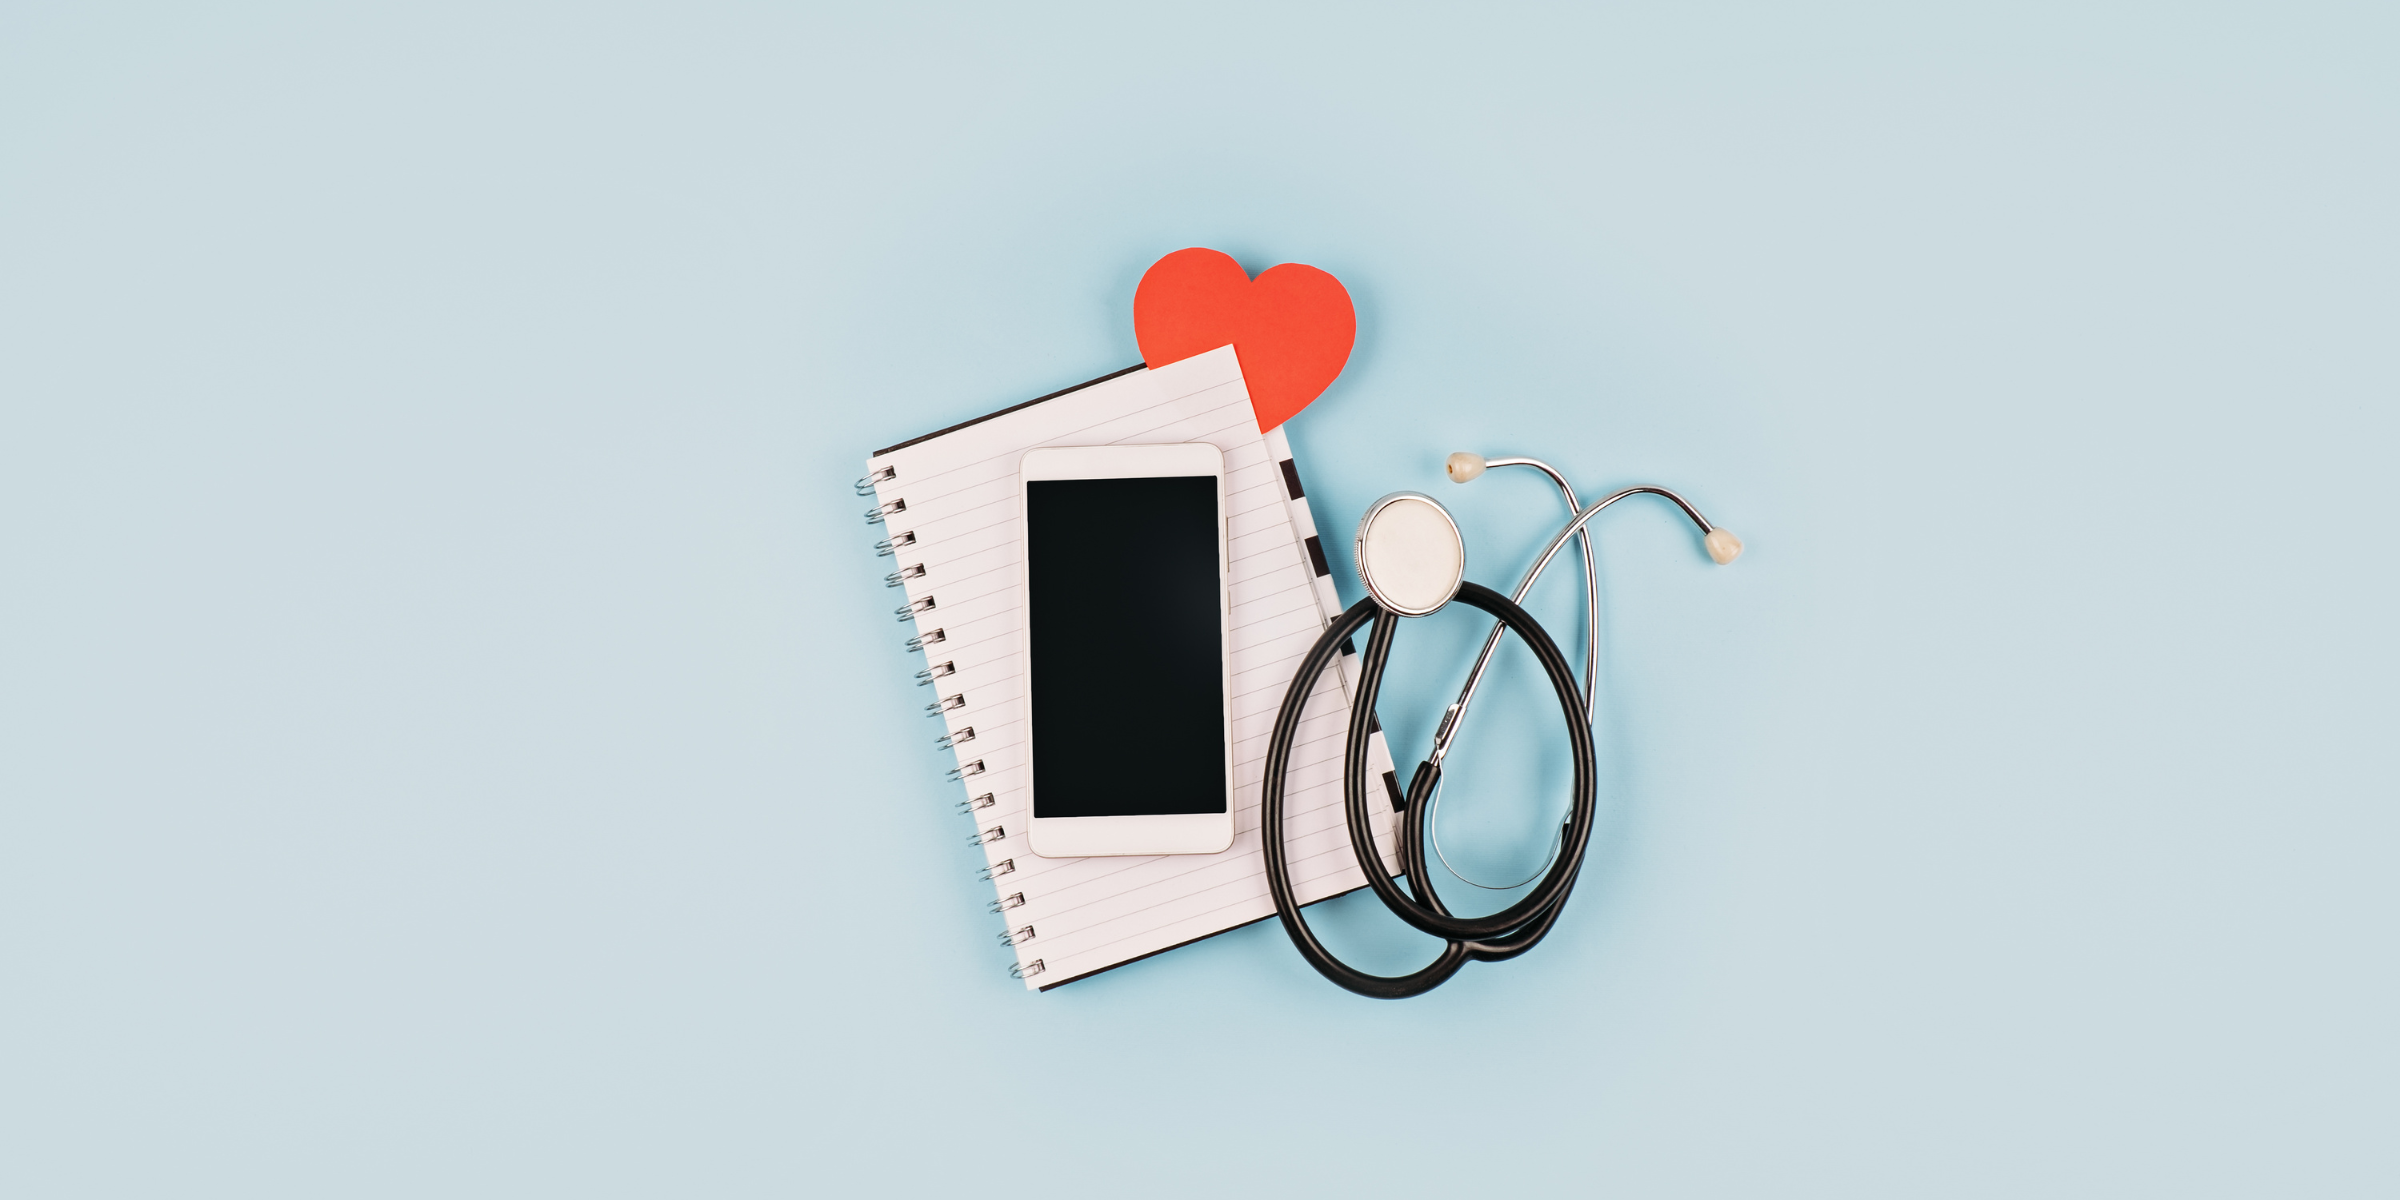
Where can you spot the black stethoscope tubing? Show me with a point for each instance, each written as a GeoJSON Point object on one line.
{"type": "Point", "coordinates": [1505, 934]}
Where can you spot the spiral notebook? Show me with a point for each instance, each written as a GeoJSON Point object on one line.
{"type": "Point", "coordinates": [948, 501]}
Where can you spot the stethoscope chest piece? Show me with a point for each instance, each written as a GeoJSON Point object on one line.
{"type": "Point", "coordinates": [1410, 554]}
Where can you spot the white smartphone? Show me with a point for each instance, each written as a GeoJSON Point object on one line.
{"type": "Point", "coordinates": [1128, 703]}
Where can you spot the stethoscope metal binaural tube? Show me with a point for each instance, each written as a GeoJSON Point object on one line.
{"type": "Point", "coordinates": [1463, 467]}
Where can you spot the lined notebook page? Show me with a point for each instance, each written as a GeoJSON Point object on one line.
{"type": "Point", "coordinates": [952, 501]}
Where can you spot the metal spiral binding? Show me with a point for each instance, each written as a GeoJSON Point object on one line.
{"type": "Point", "coordinates": [886, 548]}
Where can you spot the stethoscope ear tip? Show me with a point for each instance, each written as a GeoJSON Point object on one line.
{"type": "Point", "coordinates": [1463, 466]}
{"type": "Point", "coordinates": [1723, 546]}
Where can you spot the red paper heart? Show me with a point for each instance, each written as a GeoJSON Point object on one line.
{"type": "Point", "coordinates": [1291, 327]}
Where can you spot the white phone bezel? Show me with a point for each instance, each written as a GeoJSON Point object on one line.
{"type": "Point", "coordinates": [1170, 833]}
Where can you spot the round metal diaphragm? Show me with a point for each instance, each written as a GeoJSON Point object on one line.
{"type": "Point", "coordinates": [1410, 554]}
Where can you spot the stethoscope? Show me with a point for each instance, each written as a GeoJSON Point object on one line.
{"type": "Point", "coordinates": [1413, 562]}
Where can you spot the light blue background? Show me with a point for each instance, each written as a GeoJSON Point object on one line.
{"type": "Point", "coordinates": [452, 741]}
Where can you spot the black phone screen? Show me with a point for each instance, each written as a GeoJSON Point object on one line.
{"type": "Point", "coordinates": [1126, 693]}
